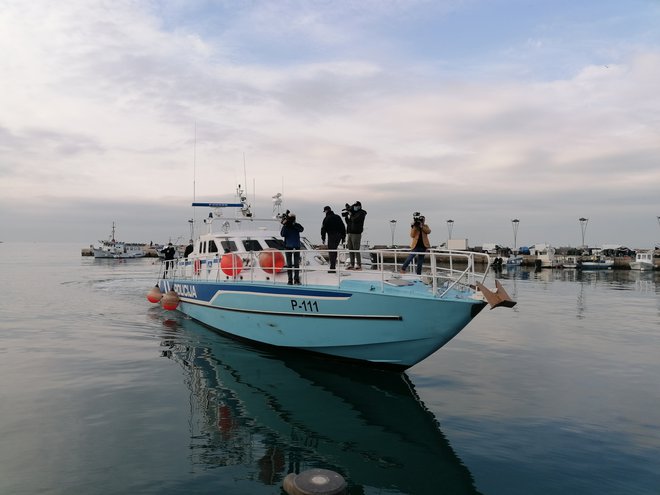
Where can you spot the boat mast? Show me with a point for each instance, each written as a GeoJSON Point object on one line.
{"type": "Point", "coordinates": [192, 221]}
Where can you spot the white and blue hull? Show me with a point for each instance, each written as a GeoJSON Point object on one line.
{"type": "Point", "coordinates": [394, 327]}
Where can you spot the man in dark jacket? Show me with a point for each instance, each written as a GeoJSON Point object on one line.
{"type": "Point", "coordinates": [354, 216]}
{"type": "Point", "coordinates": [291, 232]}
{"type": "Point", "coordinates": [169, 253]}
{"type": "Point", "coordinates": [336, 232]}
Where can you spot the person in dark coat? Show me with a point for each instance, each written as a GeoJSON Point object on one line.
{"type": "Point", "coordinates": [333, 227]}
{"type": "Point", "coordinates": [354, 216]}
{"type": "Point", "coordinates": [189, 249]}
{"type": "Point", "coordinates": [291, 233]}
{"type": "Point", "coordinates": [169, 253]}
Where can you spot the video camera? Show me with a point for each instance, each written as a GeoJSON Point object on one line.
{"type": "Point", "coordinates": [347, 209]}
{"type": "Point", "coordinates": [418, 219]}
{"type": "Point", "coordinates": [286, 217]}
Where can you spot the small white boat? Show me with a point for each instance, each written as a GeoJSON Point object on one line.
{"type": "Point", "coordinates": [545, 255]}
{"type": "Point", "coordinates": [236, 281]}
{"type": "Point", "coordinates": [113, 249]}
{"type": "Point", "coordinates": [643, 261]}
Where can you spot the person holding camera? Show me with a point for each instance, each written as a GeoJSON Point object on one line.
{"type": "Point", "coordinates": [291, 233]}
{"type": "Point", "coordinates": [419, 232]}
{"type": "Point", "coordinates": [169, 253]}
{"type": "Point", "coordinates": [334, 228]}
{"type": "Point", "coordinates": [354, 217]}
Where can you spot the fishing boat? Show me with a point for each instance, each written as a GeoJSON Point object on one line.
{"type": "Point", "coordinates": [643, 261]}
{"type": "Point", "coordinates": [236, 282]}
{"type": "Point", "coordinates": [595, 263]}
{"type": "Point", "coordinates": [111, 248]}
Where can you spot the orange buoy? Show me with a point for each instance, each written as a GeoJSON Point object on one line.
{"type": "Point", "coordinates": [154, 295]}
{"type": "Point", "coordinates": [170, 300]}
{"type": "Point", "coordinates": [271, 260]}
{"type": "Point", "coordinates": [231, 264]}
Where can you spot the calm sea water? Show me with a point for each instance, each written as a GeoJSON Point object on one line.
{"type": "Point", "coordinates": [103, 393]}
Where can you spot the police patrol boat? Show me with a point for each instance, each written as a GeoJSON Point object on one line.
{"type": "Point", "coordinates": [235, 281]}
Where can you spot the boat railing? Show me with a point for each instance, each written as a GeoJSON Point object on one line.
{"type": "Point", "coordinates": [444, 269]}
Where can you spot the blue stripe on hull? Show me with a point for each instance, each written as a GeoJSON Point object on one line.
{"type": "Point", "coordinates": [376, 327]}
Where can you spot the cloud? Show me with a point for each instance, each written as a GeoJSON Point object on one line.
{"type": "Point", "coordinates": [138, 102]}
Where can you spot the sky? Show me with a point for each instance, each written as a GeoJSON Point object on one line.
{"type": "Point", "coordinates": [478, 111]}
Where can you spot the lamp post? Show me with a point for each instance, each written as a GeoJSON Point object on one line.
{"type": "Point", "coordinates": [450, 226]}
{"type": "Point", "coordinates": [392, 228]}
{"type": "Point", "coordinates": [514, 224]}
{"type": "Point", "coordinates": [583, 226]}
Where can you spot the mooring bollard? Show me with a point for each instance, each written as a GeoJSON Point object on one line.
{"type": "Point", "coordinates": [314, 482]}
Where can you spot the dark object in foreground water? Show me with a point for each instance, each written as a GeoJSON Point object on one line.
{"type": "Point", "coordinates": [314, 482]}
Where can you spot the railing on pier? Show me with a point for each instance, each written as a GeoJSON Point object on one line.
{"type": "Point", "coordinates": [443, 269]}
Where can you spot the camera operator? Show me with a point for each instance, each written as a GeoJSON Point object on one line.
{"type": "Point", "coordinates": [291, 233]}
{"type": "Point", "coordinates": [419, 242]}
{"type": "Point", "coordinates": [354, 217]}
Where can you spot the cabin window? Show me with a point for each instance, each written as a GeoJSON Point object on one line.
{"type": "Point", "coordinates": [204, 247]}
{"type": "Point", "coordinates": [213, 248]}
{"type": "Point", "coordinates": [228, 246]}
{"type": "Point", "coordinates": [252, 245]}
{"type": "Point", "coordinates": [275, 243]}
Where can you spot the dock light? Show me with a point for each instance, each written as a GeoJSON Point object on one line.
{"type": "Point", "coordinates": [154, 295]}
{"type": "Point", "coordinates": [393, 229]}
{"type": "Point", "coordinates": [583, 226]}
{"type": "Point", "coordinates": [514, 223]}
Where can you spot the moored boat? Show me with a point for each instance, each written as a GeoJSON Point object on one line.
{"type": "Point", "coordinates": [595, 263]}
{"type": "Point", "coordinates": [513, 261]}
{"type": "Point", "coordinates": [236, 282]}
{"type": "Point", "coordinates": [111, 248]}
{"type": "Point", "coordinates": [643, 261]}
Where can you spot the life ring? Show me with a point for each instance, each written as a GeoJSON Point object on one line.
{"type": "Point", "coordinates": [197, 266]}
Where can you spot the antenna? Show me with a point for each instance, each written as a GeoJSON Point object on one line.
{"type": "Point", "coordinates": [192, 224]}
{"type": "Point", "coordinates": [244, 172]}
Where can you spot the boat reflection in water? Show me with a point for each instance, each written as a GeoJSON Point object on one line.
{"type": "Point", "coordinates": [274, 414]}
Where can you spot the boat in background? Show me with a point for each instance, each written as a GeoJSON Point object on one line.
{"type": "Point", "coordinates": [236, 281]}
{"type": "Point", "coordinates": [513, 261]}
{"type": "Point", "coordinates": [545, 255]}
{"type": "Point", "coordinates": [643, 261]}
{"type": "Point", "coordinates": [113, 249]}
{"type": "Point", "coordinates": [595, 263]}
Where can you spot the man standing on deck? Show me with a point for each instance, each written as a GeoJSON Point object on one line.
{"type": "Point", "coordinates": [334, 228]}
{"type": "Point", "coordinates": [291, 232]}
{"type": "Point", "coordinates": [169, 253]}
{"type": "Point", "coordinates": [354, 216]}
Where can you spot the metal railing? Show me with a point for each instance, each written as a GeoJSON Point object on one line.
{"type": "Point", "coordinates": [443, 269]}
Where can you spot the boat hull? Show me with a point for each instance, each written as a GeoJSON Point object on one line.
{"type": "Point", "coordinates": [596, 265]}
{"type": "Point", "coordinates": [642, 266]}
{"type": "Point", "coordinates": [385, 329]}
